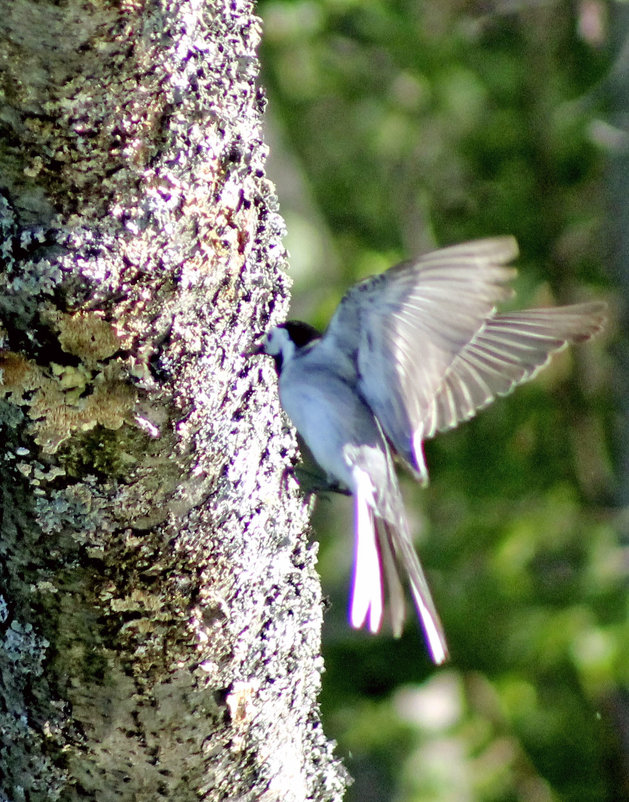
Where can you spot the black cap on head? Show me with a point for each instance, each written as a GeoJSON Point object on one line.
{"type": "Point", "coordinates": [300, 333]}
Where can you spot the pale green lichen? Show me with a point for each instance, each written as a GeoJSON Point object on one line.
{"type": "Point", "coordinates": [88, 336]}
{"type": "Point", "coordinates": [65, 400]}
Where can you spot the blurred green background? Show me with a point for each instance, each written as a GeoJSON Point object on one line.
{"type": "Point", "coordinates": [396, 127]}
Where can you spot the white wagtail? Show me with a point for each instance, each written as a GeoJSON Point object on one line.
{"type": "Point", "coordinates": [409, 353]}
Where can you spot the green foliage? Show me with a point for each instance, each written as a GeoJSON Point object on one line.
{"type": "Point", "coordinates": [410, 124]}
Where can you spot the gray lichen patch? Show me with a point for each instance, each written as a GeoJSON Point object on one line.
{"type": "Point", "coordinates": [146, 533]}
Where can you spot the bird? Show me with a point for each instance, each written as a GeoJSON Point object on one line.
{"type": "Point", "coordinates": [409, 353]}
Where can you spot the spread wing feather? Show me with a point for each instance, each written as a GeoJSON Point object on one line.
{"type": "Point", "coordinates": [506, 351]}
{"type": "Point", "coordinates": [403, 328]}
{"type": "Point", "coordinates": [429, 348]}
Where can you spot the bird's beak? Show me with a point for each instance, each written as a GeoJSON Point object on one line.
{"type": "Point", "coordinates": [257, 350]}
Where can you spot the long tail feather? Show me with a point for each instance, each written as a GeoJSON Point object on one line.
{"type": "Point", "coordinates": [393, 587]}
{"type": "Point", "coordinates": [429, 617]}
{"type": "Point", "coordinates": [367, 592]}
{"type": "Point", "coordinates": [382, 546]}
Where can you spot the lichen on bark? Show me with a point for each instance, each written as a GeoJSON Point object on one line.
{"type": "Point", "coordinates": [159, 609]}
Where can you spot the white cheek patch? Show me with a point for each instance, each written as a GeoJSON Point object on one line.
{"type": "Point", "coordinates": [277, 342]}
{"type": "Point", "coordinates": [271, 344]}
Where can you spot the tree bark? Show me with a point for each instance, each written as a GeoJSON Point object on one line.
{"type": "Point", "coordinates": [159, 608]}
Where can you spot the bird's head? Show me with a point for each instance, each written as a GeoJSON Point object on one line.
{"type": "Point", "coordinates": [283, 341]}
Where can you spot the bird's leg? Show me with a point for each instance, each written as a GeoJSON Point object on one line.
{"type": "Point", "coordinates": [312, 481]}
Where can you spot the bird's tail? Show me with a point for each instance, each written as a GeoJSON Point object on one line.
{"type": "Point", "coordinates": [381, 548]}
{"type": "Point", "coordinates": [397, 549]}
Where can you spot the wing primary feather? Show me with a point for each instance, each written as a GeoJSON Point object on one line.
{"type": "Point", "coordinates": [507, 350]}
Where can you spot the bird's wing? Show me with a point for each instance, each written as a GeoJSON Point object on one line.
{"type": "Point", "coordinates": [507, 350]}
{"type": "Point", "coordinates": [404, 328]}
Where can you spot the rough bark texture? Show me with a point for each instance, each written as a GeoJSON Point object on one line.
{"type": "Point", "coordinates": [159, 609]}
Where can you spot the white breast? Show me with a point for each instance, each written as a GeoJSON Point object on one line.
{"type": "Point", "coordinates": [326, 411]}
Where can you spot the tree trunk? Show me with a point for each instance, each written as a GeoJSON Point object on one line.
{"type": "Point", "coordinates": [159, 608]}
